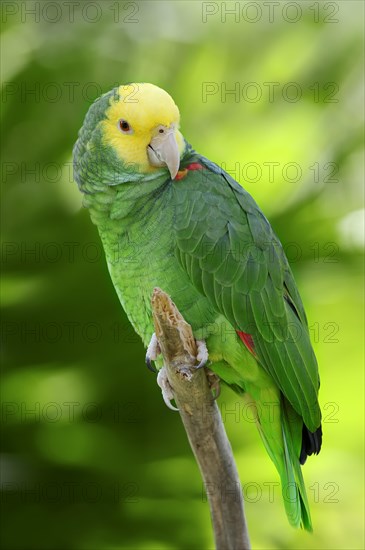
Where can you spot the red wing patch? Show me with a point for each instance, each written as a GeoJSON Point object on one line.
{"type": "Point", "coordinates": [193, 166]}
{"type": "Point", "coordinates": [247, 340]}
{"type": "Point", "coordinates": [181, 174]}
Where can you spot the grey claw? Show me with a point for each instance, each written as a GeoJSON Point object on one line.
{"type": "Point", "coordinates": [153, 351]}
{"type": "Point", "coordinates": [201, 364]}
{"type": "Point", "coordinates": [167, 393]}
{"type": "Point", "coordinates": [168, 403]}
{"type": "Point", "coordinates": [202, 355]}
{"type": "Point", "coordinates": [150, 366]}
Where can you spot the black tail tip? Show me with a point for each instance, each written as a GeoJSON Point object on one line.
{"type": "Point", "coordinates": [311, 443]}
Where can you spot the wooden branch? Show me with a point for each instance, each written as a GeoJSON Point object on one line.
{"type": "Point", "coordinates": [203, 424]}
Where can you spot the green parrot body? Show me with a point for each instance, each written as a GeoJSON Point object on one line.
{"type": "Point", "coordinates": [202, 238]}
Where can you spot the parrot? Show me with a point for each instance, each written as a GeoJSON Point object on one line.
{"type": "Point", "coordinates": [170, 218]}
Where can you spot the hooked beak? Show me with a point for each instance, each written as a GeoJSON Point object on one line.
{"type": "Point", "coordinates": [164, 151]}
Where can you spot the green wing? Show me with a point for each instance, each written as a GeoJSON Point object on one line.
{"type": "Point", "coordinates": [230, 252]}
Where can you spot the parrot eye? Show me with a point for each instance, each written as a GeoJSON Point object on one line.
{"type": "Point", "coordinates": [125, 127]}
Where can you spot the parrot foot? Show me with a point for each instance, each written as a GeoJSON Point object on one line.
{"type": "Point", "coordinates": [153, 351]}
{"type": "Point", "coordinates": [164, 383]}
{"type": "Point", "coordinates": [202, 355]}
{"type": "Point", "coordinates": [214, 383]}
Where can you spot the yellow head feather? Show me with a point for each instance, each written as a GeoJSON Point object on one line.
{"type": "Point", "coordinates": [144, 106]}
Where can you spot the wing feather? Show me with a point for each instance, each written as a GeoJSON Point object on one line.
{"type": "Point", "coordinates": [230, 252]}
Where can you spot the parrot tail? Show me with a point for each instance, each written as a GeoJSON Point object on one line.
{"type": "Point", "coordinates": [292, 483]}
{"type": "Point", "coordinates": [285, 456]}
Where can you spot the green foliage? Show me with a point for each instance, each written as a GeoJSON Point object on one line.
{"type": "Point", "coordinates": [101, 463]}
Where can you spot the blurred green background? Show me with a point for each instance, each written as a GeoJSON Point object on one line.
{"type": "Point", "coordinates": [91, 457]}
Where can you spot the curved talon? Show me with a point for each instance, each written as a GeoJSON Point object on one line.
{"type": "Point", "coordinates": [167, 393]}
{"type": "Point", "coordinates": [202, 355]}
{"type": "Point", "coordinates": [153, 351]}
{"type": "Point", "coordinates": [149, 365]}
{"type": "Point", "coordinates": [201, 364]}
{"type": "Point", "coordinates": [168, 403]}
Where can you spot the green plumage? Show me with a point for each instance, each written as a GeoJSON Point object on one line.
{"type": "Point", "coordinates": [204, 241]}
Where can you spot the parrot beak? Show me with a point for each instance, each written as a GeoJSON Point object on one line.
{"type": "Point", "coordinates": [164, 151]}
